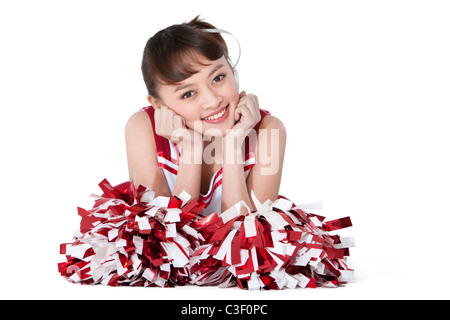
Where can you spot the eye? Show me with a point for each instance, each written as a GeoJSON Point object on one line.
{"type": "Point", "coordinates": [187, 95]}
{"type": "Point", "coordinates": [219, 78]}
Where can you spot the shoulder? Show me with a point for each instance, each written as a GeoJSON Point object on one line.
{"type": "Point", "coordinates": [270, 122]}
{"type": "Point", "coordinates": [139, 125]}
{"type": "Point", "coordinates": [271, 134]}
{"type": "Point", "coordinates": [137, 120]}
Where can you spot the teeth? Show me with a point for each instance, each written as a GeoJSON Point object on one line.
{"type": "Point", "coordinates": [217, 116]}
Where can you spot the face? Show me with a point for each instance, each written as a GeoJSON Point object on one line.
{"type": "Point", "coordinates": [206, 100]}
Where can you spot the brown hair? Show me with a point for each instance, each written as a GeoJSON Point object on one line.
{"type": "Point", "coordinates": [170, 56]}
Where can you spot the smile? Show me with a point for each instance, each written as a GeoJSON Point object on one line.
{"type": "Point", "coordinates": [217, 117]}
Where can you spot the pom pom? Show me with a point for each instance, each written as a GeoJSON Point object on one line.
{"type": "Point", "coordinates": [131, 238]}
{"type": "Point", "coordinates": [278, 246]}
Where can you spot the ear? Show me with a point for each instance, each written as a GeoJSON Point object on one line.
{"type": "Point", "coordinates": [155, 102]}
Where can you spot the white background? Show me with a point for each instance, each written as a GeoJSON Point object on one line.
{"type": "Point", "coordinates": [361, 86]}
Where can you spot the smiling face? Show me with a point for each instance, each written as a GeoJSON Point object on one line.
{"type": "Point", "coordinates": [209, 97]}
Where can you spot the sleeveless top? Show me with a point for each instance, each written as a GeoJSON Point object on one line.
{"type": "Point", "coordinates": [168, 155]}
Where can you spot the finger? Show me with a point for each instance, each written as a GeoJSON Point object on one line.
{"type": "Point", "coordinates": [241, 105]}
{"type": "Point", "coordinates": [245, 113]}
{"type": "Point", "coordinates": [242, 94]}
{"type": "Point", "coordinates": [251, 101]}
{"type": "Point", "coordinates": [178, 122]}
{"type": "Point", "coordinates": [243, 101]}
{"type": "Point", "coordinates": [157, 121]}
{"type": "Point", "coordinates": [254, 106]}
{"type": "Point", "coordinates": [237, 114]}
{"type": "Point", "coordinates": [168, 117]}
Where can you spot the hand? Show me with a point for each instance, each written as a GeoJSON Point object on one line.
{"type": "Point", "coordinates": [246, 115]}
{"type": "Point", "coordinates": [172, 126]}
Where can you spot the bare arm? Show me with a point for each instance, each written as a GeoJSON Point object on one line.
{"type": "Point", "coordinates": [234, 187]}
{"type": "Point", "coordinates": [172, 126]}
{"type": "Point", "coordinates": [265, 177]}
{"type": "Point", "coordinates": [189, 172]}
{"type": "Point", "coordinates": [142, 158]}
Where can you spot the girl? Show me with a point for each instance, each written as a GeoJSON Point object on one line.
{"type": "Point", "coordinates": [202, 158]}
{"type": "Point", "coordinates": [196, 108]}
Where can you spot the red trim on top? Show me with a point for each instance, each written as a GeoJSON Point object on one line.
{"type": "Point", "coordinates": [168, 168]}
{"type": "Point", "coordinates": [162, 144]}
{"type": "Point", "coordinates": [216, 183]}
{"type": "Point", "coordinates": [248, 167]}
{"type": "Point", "coordinates": [168, 158]}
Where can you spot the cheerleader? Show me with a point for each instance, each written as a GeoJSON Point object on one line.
{"type": "Point", "coordinates": [202, 208]}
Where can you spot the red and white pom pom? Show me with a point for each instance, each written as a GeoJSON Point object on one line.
{"type": "Point", "coordinates": [132, 238]}
{"type": "Point", "coordinates": [278, 246]}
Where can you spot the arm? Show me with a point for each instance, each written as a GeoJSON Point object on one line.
{"type": "Point", "coordinates": [189, 172]}
{"type": "Point", "coordinates": [234, 187]}
{"type": "Point", "coordinates": [265, 177]}
{"type": "Point", "coordinates": [142, 158]}
{"type": "Point", "coordinates": [143, 166]}
{"type": "Point", "coordinates": [172, 126]}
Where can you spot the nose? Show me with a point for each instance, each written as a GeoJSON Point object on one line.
{"type": "Point", "coordinates": [210, 99]}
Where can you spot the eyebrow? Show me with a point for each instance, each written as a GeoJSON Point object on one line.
{"type": "Point", "coordinates": [186, 85]}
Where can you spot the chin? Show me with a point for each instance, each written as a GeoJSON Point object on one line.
{"type": "Point", "coordinates": [216, 132]}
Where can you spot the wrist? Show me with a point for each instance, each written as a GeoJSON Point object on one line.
{"type": "Point", "coordinates": [232, 151]}
{"type": "Point", "coordinates": [192, 151]}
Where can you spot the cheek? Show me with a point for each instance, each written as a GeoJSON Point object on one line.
{"type": "Point", "coordinates": [232, 93]}
{"type": "Point", "coordinates": [186, 111]}
{"type": "Point", "coordinates": [192, 120]}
